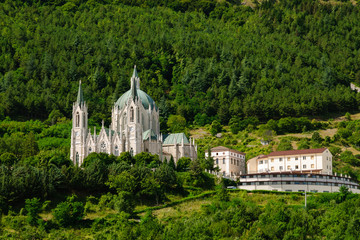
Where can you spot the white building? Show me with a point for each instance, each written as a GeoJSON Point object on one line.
{"type": "Point", "coordinates": [307, 160]}
{"type": "Point", "coordinates": [134, 128]}
{"type": "Point", "coordinates": [308, 170]}
{"type": "Point", "coordinates": [230, 162]}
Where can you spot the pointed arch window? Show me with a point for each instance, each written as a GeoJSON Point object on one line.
{"type": "Point", "coordinates": [77, 159]}
{"type": "Point", "coordinates": [131, 114]}
{"type": "Point", "coordinates": [138, 115]}
{"type": "Point", "coordinates": [77, 119]}
{"type": "Point", "coordinates": [116, 152]}
{"type": "Point", "coordinates": [103, 146]}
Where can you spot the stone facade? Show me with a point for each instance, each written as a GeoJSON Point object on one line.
{"type": "Point", "coordinates": [134, 128]}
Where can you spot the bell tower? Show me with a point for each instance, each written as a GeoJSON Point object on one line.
{"type": "Point", "coordinates": [79, 129]}
{"type": "Point", "coordinates": [134, 125]}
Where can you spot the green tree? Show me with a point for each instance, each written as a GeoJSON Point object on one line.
{"type": "Point", "coordinates": [215, 128]}
{"type": "Point", "coordinates": [284, 145]}
{"type": "Point", "coordinates": [8, 159]}
{"type": "Point", "coordinates": [172, 163]}
{"type": "Point", "coordinates": [176, 123]}
{"type": "Point", "coordinates": [183, 164]}
{"type": "Point", "coordinates": [33, 208]}
{"type": "Point", "coordinates": [69, 213]}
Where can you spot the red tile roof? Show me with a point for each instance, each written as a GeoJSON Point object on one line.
{"type": "Point", "coordinates": [294, 152]}
{"type": "Point", "coordinates": [221, 148]}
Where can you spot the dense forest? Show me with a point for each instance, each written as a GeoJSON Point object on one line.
{"type": "Point", "coordinates": [198, 59]}
{"type": "Point", "coordinates": [226, 72]}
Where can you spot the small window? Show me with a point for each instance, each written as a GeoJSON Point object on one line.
{"type": "Point", "coordinates": [272, 168]}
{"type": "Point", "coordinates": [223, 160]}
{"type": "Point", "coordinates": [312, 157]}
{"type": "Point", "coordinates": [312, 166]}
{"type": "Point", "coordinates": [288, 167]}
{"type": "Point", "coordinates": [304, 166]}
{"type": "Point", "coordinates": [77, 124]}
{"type": "Point", "coordinates": [131, 114]}
{"type": "Point", "coordinates": [231, 161]}
{"type": "Point", "coordinates": [272, 160]}
{"type": "Point", "coordinates": [304, 157]}
{"type": "Point", "coordinates": [217, 154]}
{"type": "Point", "coordinates": [266, 161]}
{"type": "Point", "coordinates": [296, 158]}
{"type": "Point", "coordinates": [90, 149]}
{"type": "Point", "coordinates": [280, 159]}
{"type": "Point", "coordinates": [217, 161]}
{"type": "Point", "coordinates": [296, 166]}
{"type": "Point", "coordinates": [260, 162]}
{"type": "Point", "coordinates": [281, 168]}
{"type": "Point", "coordinates": [288, 158]}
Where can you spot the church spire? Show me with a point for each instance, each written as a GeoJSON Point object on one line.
{"type": "Point", "coordinates": [135, 74]}
{"type": "Point", "coordinates": [134, 83]}
{"type": "Point", "coordinates": [80, 96]}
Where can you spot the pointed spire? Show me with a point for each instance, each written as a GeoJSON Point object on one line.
{"type": "Point", "coordinates": [135, 74]}
{"type": "Point", "coordinates": [80, 96]}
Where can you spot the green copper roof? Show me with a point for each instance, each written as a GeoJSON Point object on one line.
{"type": "Point", "coordinates": [145, 99]}
{"type": "Point", "coordinates": [147, 133]}
{"type": "Point", "coordinates": [80, 96]}
{"type": "Point", "coordinates": [176, 138]}
{"type": "Point", "coordinates": [135, 92]}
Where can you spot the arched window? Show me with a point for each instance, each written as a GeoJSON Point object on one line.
{"type": "Point", "coordinates": [90, 149]}
{"type": "Point", "coordinates": [83, 123]}
{"type": "Point", "coordinates": [131, 114]}
{"type": "Point", "coordinates": [138, 115]}
{"type": "Point", "coordinates": [103, 147]}
{"type": "Point", "coordinates": [116, 152]}
{"type": "Point", "coordinates": [77, 120]}
{"type": "Point", "coordinates": [77, 159]}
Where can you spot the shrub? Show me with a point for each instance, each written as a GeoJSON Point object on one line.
{"type": "Point", "coordinates": [69, 212]}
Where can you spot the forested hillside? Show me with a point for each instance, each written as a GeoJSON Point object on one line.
{"type": "Point", "coordinates": [199, 59]}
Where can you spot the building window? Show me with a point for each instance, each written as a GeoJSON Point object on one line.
{"type": "Point", "coordinates": [260, 162]}
{"type": "Point", "coordinates": [231, 161]}
{"type": "Point", "coordinates": [296, 158]}
{"type": "Point", "coordinates": [304, 166]}
{"type": "Point", "coordinates": [77, 121]}
{"type": "Point", "coordinates": [272, 168]}
{"type": "Point", "coordinates": [217, 154]}
{"type": "Point", "coordinates": [296, 166]}
{"type": "Point", "coordinates": [90, 149]}
{"type": "Point", "coordinates": [131, 114]}
{"type": "Point", "coordinates": [77, 159]}
{"type": "Point", "coordinates": [103, 146]}
{"type": "Point", "coordinates": [304, 158]}
{"type": "Point", "coordinates": [312, 157]}
{"type": "Point", "coordinates": [266, 161]}
{"type": "Point", "coordinates": [281, 168]}
{"type": "Point", "coordinates": [217, 161]}
{"type": "Point", "coordinates": [116, 153]}
{"type": "Point", "coordinates": [223, 160]}
{"type": "Point", "coordinates": [288, 159]}
{"type": "Point", "coordinates": [138, 115]}
{"type": "Point", "coordinates": [272, 160]}
{"type": "Point", "coordinates": [238, 162]}
{"type": "Point", "coordinates": [288, 167]}
{"type": "Point", "coordinates": [312, 165]}
{"type": "Point", "coordinates": [280, 159]}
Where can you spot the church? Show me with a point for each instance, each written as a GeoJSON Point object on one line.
{"type": "Point", "coordinates": [134, 128]}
